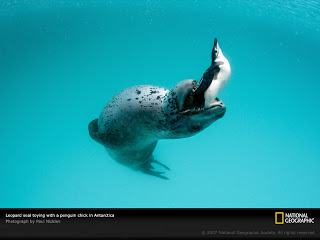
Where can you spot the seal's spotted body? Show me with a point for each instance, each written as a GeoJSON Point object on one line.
{"type": "Point", "coordinates": [134, 120]}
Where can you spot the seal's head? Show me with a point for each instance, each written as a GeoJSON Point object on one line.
{"type": "Point", "coordinates": [182, 122]}
{"type": "Point", "coordinates": [196, 105]}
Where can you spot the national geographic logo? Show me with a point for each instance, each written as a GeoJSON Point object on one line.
{"type": "Point", "coordinates": [292, 218]}
{"type": "Point", "coordinates": [279, 218]}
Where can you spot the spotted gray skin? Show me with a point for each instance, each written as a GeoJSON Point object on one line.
{"type": "Point", "coordinates": [133, 121]}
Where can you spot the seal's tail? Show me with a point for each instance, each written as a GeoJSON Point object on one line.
{"type": "Point", "coordinates": [93, 131]}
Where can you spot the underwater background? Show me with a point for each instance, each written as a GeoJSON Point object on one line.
{"type": "Point", "coordinates": [62, 61]}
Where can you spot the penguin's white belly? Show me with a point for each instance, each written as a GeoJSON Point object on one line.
{"type": "Point", "coordinates": [212, 92]}
{"type": "Point", "coordinates": [217, 84]}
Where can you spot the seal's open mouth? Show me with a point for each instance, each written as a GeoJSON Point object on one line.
{"type": "Point", "coordinates": [215, 105]}
{"type": "Point", "coordinates": [192, 106]}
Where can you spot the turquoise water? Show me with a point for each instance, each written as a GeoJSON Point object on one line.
{"type": "Point", "coordinates": [61, 62]}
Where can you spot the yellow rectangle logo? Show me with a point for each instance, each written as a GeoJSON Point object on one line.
{"type": "Point", "coordinates": [276, 218]}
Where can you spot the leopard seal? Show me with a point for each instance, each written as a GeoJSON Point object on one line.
{"type": "Point", "coordinates": [133, 121]}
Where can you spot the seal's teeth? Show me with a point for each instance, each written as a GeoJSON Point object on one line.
{"type": "Point", "coordinates": [195, 87]}
{"type": "Point", "coordinates": [185, 111]}
{"type": "Point", "coordinates": [192, 111]}
{"type": "Point", "coordinates": [196, 109]}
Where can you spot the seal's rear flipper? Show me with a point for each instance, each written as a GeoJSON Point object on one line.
{"type": "Point", "coordinates": [161, 164]}
{"type": "Point", "coordinates": [93, 132]}
{"type": "Point", "coordinates": [148, 169]}
{"type": "Point", "coordinates": [154, 173]}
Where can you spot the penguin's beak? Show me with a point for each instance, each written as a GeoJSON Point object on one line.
{"type": "Point", "coordinates": [216, 50]}
{"type": "Point", "coordinates": [215, 42]}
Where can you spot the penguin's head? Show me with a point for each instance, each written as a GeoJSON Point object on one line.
{"type": "Point", "coordinates": [219, 60]}
{"type": "Point", "coordinates": [216, 50]}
